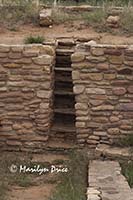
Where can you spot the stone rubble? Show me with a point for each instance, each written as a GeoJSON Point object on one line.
{"type": "Point", "coordinates": [45, 17]}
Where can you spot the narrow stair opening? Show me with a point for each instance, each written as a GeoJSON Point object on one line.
{"type": "Point", "coordinates": [63, 127]}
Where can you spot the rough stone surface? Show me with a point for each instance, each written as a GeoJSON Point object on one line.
{"type": "Point", "coordinates": [24, 97]}
{"type": "Point", "coordinates": [106, 177]}
{"type": "Point", "coordinates": [45, 17]}
{"type": "Point", "coordinates": [102, 81]}
{"type": "Point", "coordinates": [113, 21]}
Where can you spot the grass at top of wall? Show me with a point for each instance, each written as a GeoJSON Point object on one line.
{"type": "Point", "coordinates": [127, 20]}
{"type": "Point", "coordinates": [96, 19]}
{"type": "Point", "coordinates": [34, 39]}
{"type": "Point", "coordinates": [73, 185]}
{"type": "Point", "coordinates": [59, 16]}
{"type": "Point", "coordinates": [90, 2]}
{"type": "Point", "coordinates": [13, 15]}
{"type": "Point", "coordinates": [127, 171]}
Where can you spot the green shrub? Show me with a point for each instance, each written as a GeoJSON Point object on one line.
{"type": "Point", "coordinates": [127, 21]}
{"type": "Point", "coordinates": [96, 19]}
{"type": "Point", "coordinates": [60, 16]}
{"type": "Point", "coordinates": [126, 141]}
{"type": "Point", "coordinates": [74, 183]}
{"type": "Point", "coordinates": [34, 40]}
{"type": "Point", "coordinates": [127, 171]}
{"type": "Point", "coordinates": [18, 12]}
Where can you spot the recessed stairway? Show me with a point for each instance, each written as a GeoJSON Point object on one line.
{"type": "Point", "coordinates": [63, 126]}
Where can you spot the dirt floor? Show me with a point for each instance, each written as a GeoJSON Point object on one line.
{"type": "Point", "coordinates": [31, 193]}
{"type": "Point", "coordinates": [63, 30]}
{"type": "Point", "coordinates": [21, 186]}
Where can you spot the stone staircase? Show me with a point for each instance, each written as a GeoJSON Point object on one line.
{"type": "Point", "coordinates": [63, 127]}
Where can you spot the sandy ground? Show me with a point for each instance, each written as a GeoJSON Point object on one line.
{"type": "Point", "coordinates": [66, 30]}
{"type": "Point", "coordinates": [31, 193]}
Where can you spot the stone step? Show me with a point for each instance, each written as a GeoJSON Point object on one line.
{"type": "Point", "coordinates": [63, 69]}
{"type": "Point", "coordinates": [68, 93]}
{"type": "Point", "coordinates": [66, 42]}
{"type": "Point", "coordinates": [68, 111]}
{"type": "Point", "coordinates": [64, 51]}
{"type": "Point", "coordinates": [63, 128]}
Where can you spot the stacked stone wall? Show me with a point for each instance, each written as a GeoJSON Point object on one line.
{"type": "Point", "coordinates": [103, 87]}
{"type": "Point", "coordinates": [26, 88]}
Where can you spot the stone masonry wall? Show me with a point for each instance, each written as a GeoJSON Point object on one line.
{"type": "Point", "coordinates": [26, 74]}
{"type": "Point", "coordinates": [103, 87]}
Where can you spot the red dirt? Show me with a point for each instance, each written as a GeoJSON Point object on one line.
{"type": "Point", "coordinates": [66, 30]}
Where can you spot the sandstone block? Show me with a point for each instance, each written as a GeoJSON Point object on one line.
{"type": "Point", "coordinates": [46, 49]}
{"type": "Point", "coordinates": [14, 55]}
{"type": "Point", "coordinates": [95, 59]}
{"type": "Point", "coordinates": [91, 142]}
{"type": "Point", "coordinates": [80, 124]}
{"type": "Point", "coordinates": [109, 76]}
{"type": "Point", "coordinates": [114, 119]}
{"type": "Point", "coordinates": [125, 107]}
{"type": "Point", "coordinates": [45, 17]}
{"type": "Point", "coordinates": [97, 51]}
{"type": "Point", "coordinates": [81, 112]}
{"type": "Point", "coordinates": [17, 48]}
{"type": "Point", "coordinates": [3, 89]}
{"type": "Point", "coordinates": [103, 108]}
{"type": "Point", "coordinates": [44, 94]}
{"type": "Point", "coordinates": [116, 60]}
{"type": "Point", "coordinates": [113, 21]}
{"type": "Point", "coordinates": [4, 48]}
{"type": "Point", "coordinates": [78, 57]}
{"type": "Point", "coordinates": [100, 119]}
{"type": "Point", "coordinates": [102, 66]}
{"type": "Point", "coordinates": [96, 76]}
{"type": "Point", "coordinates": [78, 89]}
{"type": "Point", "coordinates": [96, 102]}
{"type": "Point", "coordinates": [75, 75]}
{"type": "Point", "coordinates": [16, 83]}
{"type": "Point", "coordinates": [82, 136]}
{"type": "Point", "coordinates": [95, 91]}
{"type": "Point", "coordinates": [119, 91]}
{"type": "Point", "coordinates": [23, 61]}
{"type": "Point", "coordinates": [113, 51]}
{"type": "Point", "coordinates": [83, 118]}
{"type": "Point", "coordinates": [13, 143]}
{"type": "Point", "coordinates": [3, 55]}
{"type": "Point", "coordinates": [43, 60]}
{"type": "Point", "coordinates": [27, 125]}
{"type": "Point", "coordinates": [81, 106]}
{"type": "Point", "coordinates": [130, 89]}
{"type": "Point", "coordinates": [12, 65]}
{"type": "Point", "coordinates": [46, 85]}
{"type": "Point", "coordinates": [113, 131]}
{"type": "Point", "coordinates": [44, 105]}
{"type": "Point", "coordinates": [17, 126]}
{"type": "Point", "coordinates": [93, 137]}
{"type": "Point", "coordinates": [100, 133]}
{"type": "Point", "coordinates": [30, 53]}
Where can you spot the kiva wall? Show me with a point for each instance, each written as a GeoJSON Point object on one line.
{"type": "Point", "coordinates": [26, 87]}
{"type": "Point", "coordinates": [103, 87]}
